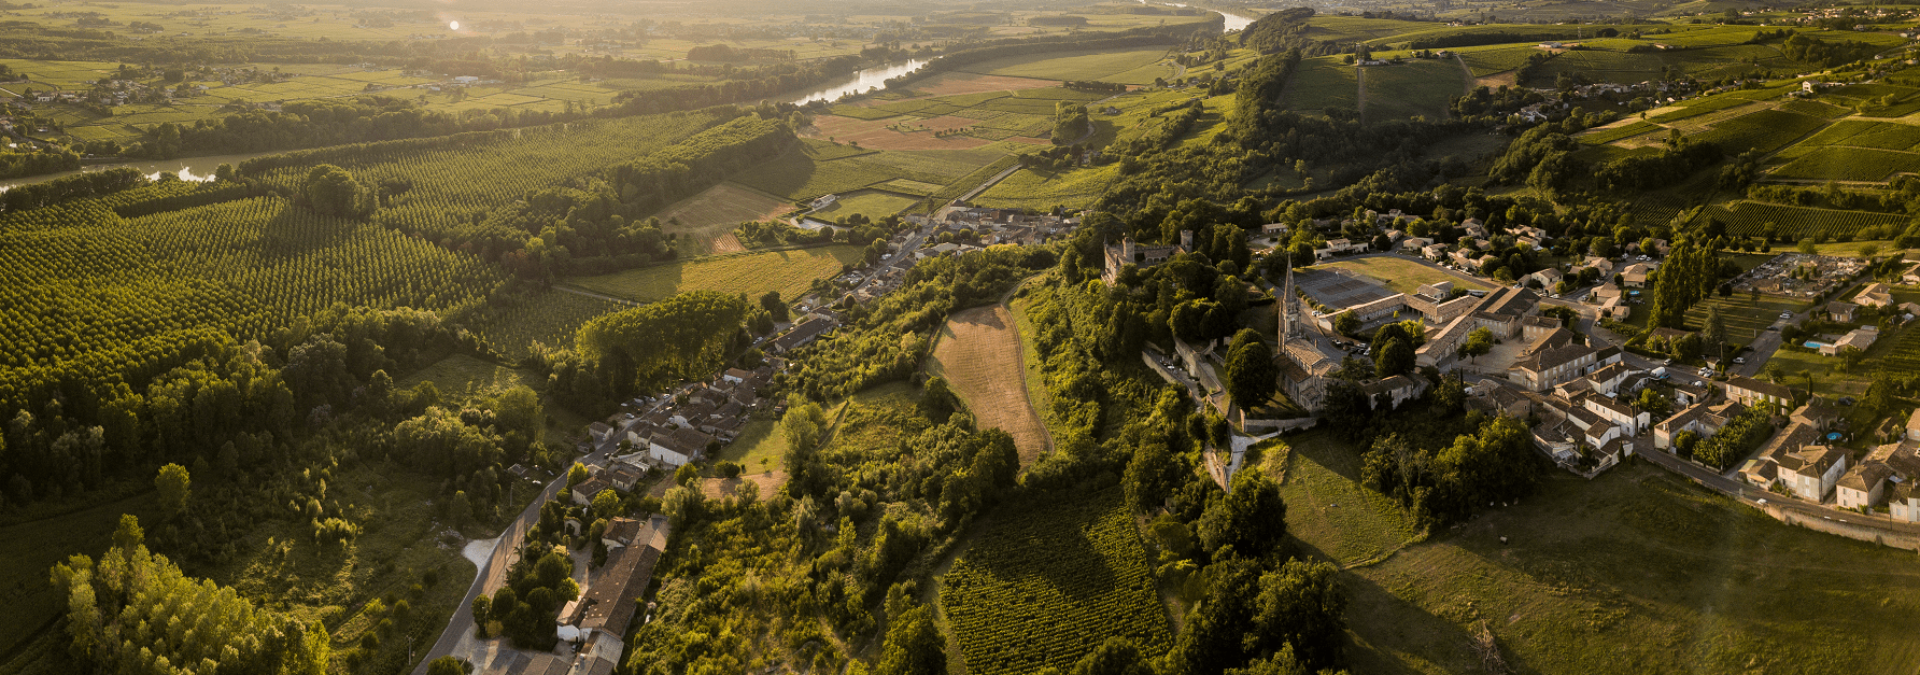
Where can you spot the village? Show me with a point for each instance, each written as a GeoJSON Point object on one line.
{"type": "Point", "coordinates": [651, 437]}
{"type": "Point", "coordinates": [1540, 348]}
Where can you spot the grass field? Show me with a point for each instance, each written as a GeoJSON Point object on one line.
{"type": "Point", "coordinates": [1422, 87]}
{"type": "Point", "coordinates": [1403, 275]}
{"type": "Point", "coordinates": [789, 272]}
{"type": "Point", "coordinates": [462, 373]}
{"type": "Point", "coordinates": [1126, 67]}
{"type": "Point", "coordinates": [549, 318]}
{"type": "Point", "coordinates": [1322, 83]}
{"type": "Point", "coordinates": [1636, 571]}
{"type": "Point", "coordinates": [1326, 503]}
{"type": "Point", "coordinates": [761, 447]}
{"type": "Point", "coordinates": [980, 356]}
{"type": "Point", "coordinates": [705, 222]}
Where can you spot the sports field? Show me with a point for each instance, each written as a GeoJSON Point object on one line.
{"type": "Point", "coordinates": [789, 272]}
{"type": "Point", "coordinates": [980, 356]}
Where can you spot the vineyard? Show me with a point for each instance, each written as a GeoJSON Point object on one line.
{"type": "Point", "coordinates": [1041, 587]}
{"type": "Point", "coordinates": [80, 279]}
{"type": "Point", "coordinates": [1749, 218]}
{"type": "Point", "coordinates": [1605, 136]}
{"type": "Point", "coordinates": [451, 188]}
{"type": "Point", "coordinates": [1765, 131]}
{"type": "Point", "coordinates": [1848, 164]}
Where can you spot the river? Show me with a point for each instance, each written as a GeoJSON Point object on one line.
{"type": "Point", "coordinates": [861, 82]}
{"type": "Point", "coordinates": [1234, 21]}
{"type": "Point", "coordinates": [189, 168]}
{"type": "Point", "coordinates": [874, 78]}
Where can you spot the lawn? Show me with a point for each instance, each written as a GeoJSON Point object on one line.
{"type": "Point", "coordinates": [1423, 87]}
{"type": "Point", "coordinates": [1403, 275]}
{"type": "Point", "coordinates": [1102, 66]}
{"type": "Point", "coordinates": [761, 447]}
{"type": "Point", "coordinates": [1636, 571]}
{"type": "Point", "coordinates": [789, 272]}
{"type": "Point", "coordinates": [705, 222]}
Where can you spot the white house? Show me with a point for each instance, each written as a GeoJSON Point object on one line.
{"type": "Point", "coordinates": [1862, 485]}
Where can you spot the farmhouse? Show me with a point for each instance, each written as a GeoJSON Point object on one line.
{"type": "Point", "coordinates": [1874, 295]}
{"type": "Point", "coordinates": [1842, 312]}
{"type": "Point", "coordinates": [1752, 392]}
{"type": "Point", "coordinates": [1859, 338]}
{"type": "Point", "coordinates": [1635, 275]}
{"type": "Point", "coordinates": [608, 606]}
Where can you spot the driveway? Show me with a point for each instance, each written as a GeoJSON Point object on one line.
{"type": "Point", "coordinates": [458, 638]}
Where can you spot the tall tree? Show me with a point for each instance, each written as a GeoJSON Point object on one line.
{"type": "Point", "coordinates": [175, 488]}
{"type": "Point", "coordinates": [1252, 376]}
{"type": "Point", "coordinates": [913, 647]}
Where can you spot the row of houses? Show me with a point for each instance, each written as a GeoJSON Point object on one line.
{"type": "Point", "coordinates": [686, 425]}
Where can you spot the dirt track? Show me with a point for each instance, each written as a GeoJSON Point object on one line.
{"type": "Point", "coordinates": [980, 358]}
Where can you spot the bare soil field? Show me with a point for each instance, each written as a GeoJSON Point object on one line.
{"type": "Point", "coordinates": [768, 482]}
{"type": "Point", "coordinates": [979, 355]}
{"type": "Point", "coordinates": [898, 133]}
{"type": "Point", "coordinates": [707, 219]}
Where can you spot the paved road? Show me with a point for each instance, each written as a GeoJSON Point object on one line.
{"type": "Point", "coordinates": [461, 627]}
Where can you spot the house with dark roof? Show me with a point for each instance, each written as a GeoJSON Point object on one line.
{"type": "Point", "coordinates": [1753, 392]}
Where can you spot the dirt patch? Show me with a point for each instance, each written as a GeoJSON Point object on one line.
{"type": "Point", "coordinates": [768, 482]}
{"type": "Point", "coordinates": [980, 357]}
{"type": "Point", "coordinates": [1498, 80]}
{"type": "Point", "coordinates": [947, 84]}
{"type": "Point", "coordinates": [905, 132]}
{"type": "Point", "coordinates": [707, 219]}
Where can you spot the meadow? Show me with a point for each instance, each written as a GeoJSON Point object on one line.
{"type": "Point", "coordinates": [1637, 571]}
{"type": "Point", "coordinates": [980, 355]}
{"type": "Point", "coordinates": [873, 204]}
{"type": "Point", "coordinates": [789, 272]}
{"type": "Point", "coordinates": [550, 318]}
{"type": "Point", "coordinates": [705, 222]}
